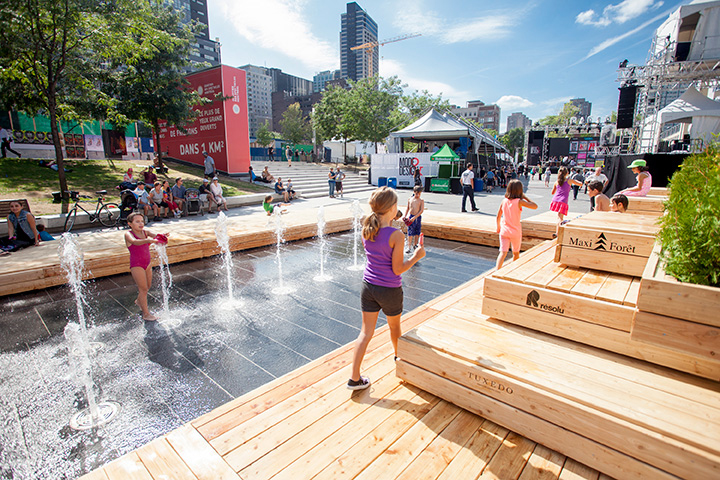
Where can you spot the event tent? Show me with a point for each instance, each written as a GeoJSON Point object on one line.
{"type": "Point", "coordinates": [693, 107]}
{"type": "Point", "coordinates": [436, 126]}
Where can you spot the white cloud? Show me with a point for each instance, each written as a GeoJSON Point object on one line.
{"type": "Point", "coordinates": [513, 101]}
{"type": "Point", "coordinates": [612, 41]}
{"type": "Point", "coordinates": [417, 18]}
{"type": "Point", "coordinates": [280, 25]}
{"type": "Point", "coordinates": [389, 67]}
{"type": "Point", "coordinates": [620, 13]}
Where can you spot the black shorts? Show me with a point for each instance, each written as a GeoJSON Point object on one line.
{"type": "Point", "coordinates": [374, 298]}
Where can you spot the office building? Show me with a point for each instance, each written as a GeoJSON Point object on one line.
{"type": "Point", "coordinates": [204, 50]}
{"type": "Point", "coordinates": [357, 28]}
{"type": "Point", "coordinates": [518, 120]}
{"type": "Point", "coordinates": [259, 97]}
{"type": "Point", "coordinates": [584, 106]}
{"type": "Point", "coordinates": [281, 101]}
{"type": "Point", "coordinates": [488, 116]}
{"type": "Point", "coordinates": [321, 79]}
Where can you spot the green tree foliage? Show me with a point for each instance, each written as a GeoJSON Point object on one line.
{"type": "Point", "coordinates": [294, 127]}
{"type": "Point", "coordinates": [691, 224]}
{"type": "Point", "coordinates": [416, 104]}
{"type": "Point", "coordinates": [264, 136]}
{"type": "Point", "coordinates": [563, 118]}
{"type": "Point", "coordinates": [514, 140]}
{"type": "Point", "coordinates": [149, 82]}
{"type": "Point", "coordinates": [51, 54]}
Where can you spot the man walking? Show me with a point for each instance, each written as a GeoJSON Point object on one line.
{"type": "Point", "coordinates": [468, 185]}
{"type": "Point", "coordinates": [5, 139]}
{"type": "Point", "coordinates": [209, 166]}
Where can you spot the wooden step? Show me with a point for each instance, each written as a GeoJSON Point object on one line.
{"type": "Point", "coordinates": [639, 424]}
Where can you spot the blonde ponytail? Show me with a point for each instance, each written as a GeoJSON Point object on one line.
{"type": "Point", "coordinates": [381, 201]}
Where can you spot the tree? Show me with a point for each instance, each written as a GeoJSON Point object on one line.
{"type": "Point", "coordinates": [563, 118]}
{"type": "Point", "coordinates": [264, 135]}
{"type": "Point", "coordinates": [150, 85]}
{"type": "Point", "coordinates": [416, 104]}
{"type": "Point", "coordinates": [51, 53]}
{"type": "Point", "coordinates": [514, 140]}
{"type": "Point", "coordinates": [294, 127]}
{"type": "Point", "coordinates": [372, 102]}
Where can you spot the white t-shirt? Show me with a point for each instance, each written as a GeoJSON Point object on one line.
{"type": "Point", "coordinates": [592, 177]}
{"type": "Point", "coordinates": [467, 177]}
{"type": "Point", "coordinates": [4, 134]}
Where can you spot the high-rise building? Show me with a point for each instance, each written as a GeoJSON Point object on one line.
{"type": "Point", "coordinates": [262, 83]}
{"type": "Point", "coordinates": [358, 28]}
{"type": "Point", "coordinates": [204, 50]}
{"type": "Point", "coordinates": [259, 97]}
{"type": "Point", "coordinates": [584, 106]}
{"type": "Point", "coordinates": [518, 120]}
{"type": "Point", "coordinates": [320, 79]}
{"type": "Point", "coordinates": [488, 116]}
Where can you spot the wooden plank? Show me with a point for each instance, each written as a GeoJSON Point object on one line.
{"type": "Point", "coordinates": [590, 284]}
{"type": "Point", "coordinates": [601, 337]}
{"type": "Point", "coordinates": [648, 204]}
{"type": "Point", "coordinates": [600, 239]}
{"type": "Point", "coordinates": [544, 464]}
{"type": "Point", "coordinates": [526, 269]}
{"type": "Point", "coordinates": [402, 452]}
{"type": "Point", "coordinates": [510, 459]}
{"type": "Point", "coordinates": [659, 191]}
{"type": "Point", "coordinates": [534, 428]}
{"type": "Point", "coordinates": [573, 470]}
{"type": "Point", "coordinates": [347, 452]}
{"type": "Point", "coordinates": [567, 279]}
{"type": "Point", "coordinates": [525, 257]}
{"type": "Point", "coordinates": [199, 456]}
{"type": "Point", "coordinates": [127, 467]}
{"type": "Point", "coordinates": [434, 459]}
{"type": "Point", "coordinates": [687, 337]}
{"type": "Point", "coordinates": [163, 462]}
{"type": "Point", "coordinates": [615, 288]}
{"type": "Point", "coordinates": [583, 308]}
{"type": "Point", "coordinates": [546, 275]}
{"type": "Point", "coordinates": [630, 431]}
{"type": "Point", "coordinates": [473, 458]}
{"type": "Point", "coordinates": [633, 292]}
{"type": "Point", "coordinates": [607, 261]}
{"type": "Point", "coordinates": [617, 222]}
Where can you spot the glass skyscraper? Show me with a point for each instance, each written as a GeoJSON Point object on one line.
{"type": "Point", "coordinates": [358, 28]}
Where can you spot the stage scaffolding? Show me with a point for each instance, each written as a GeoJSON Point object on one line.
{"type": "Point", "coordinates": [660, 81]}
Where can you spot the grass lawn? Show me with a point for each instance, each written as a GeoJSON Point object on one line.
{"type": "Point", "coordinates": [25, 178]}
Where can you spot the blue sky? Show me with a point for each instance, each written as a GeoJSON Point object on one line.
{"type": "Point", "coordinates": [528, 56]}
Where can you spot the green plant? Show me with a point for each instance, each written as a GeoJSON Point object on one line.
{"type": "Point", "coordinates": [691, 227]}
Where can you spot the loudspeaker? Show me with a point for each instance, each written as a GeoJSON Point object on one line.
{"type": "Point", "coordinates": [626, 107]}
{"type": "Point", "coordinates": [536, 136]}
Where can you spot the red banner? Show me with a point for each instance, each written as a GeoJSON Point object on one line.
{"type": "Point", "coordinates": [221, 128]}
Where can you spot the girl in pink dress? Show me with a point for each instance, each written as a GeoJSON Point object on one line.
{"type": "Point", "coordinates": [561, 194]}
{"type": "Point", "coordinates": [508, 220]}
{"type": "Point", "coordinates": [644, 180]}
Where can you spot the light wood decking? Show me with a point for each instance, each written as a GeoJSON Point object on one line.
{"type": "Point", "coordinates": [308, 425]}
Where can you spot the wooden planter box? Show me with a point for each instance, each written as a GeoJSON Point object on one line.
{"type": "Point", "coordinates": [611, 242]}
{"type": "Point", "coordinates": [680, 316]}
{"type": "Point", "coordinates": [650, 205]}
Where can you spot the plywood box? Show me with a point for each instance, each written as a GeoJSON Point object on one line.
{"type": "Point", "coordinates": [611, 242]}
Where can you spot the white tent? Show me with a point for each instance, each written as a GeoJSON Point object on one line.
{"type": "Point", "coordinates": [436, 126]}
{"type": "Point", "coordinates": [693, 107]}
{"type": "Point", "coordinates": [692, 32]}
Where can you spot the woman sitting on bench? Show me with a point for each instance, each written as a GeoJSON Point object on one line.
{"type": "Point", "coordinates": [22, 231]}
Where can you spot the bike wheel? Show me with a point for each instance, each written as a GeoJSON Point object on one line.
{"type": "Point", "coordinates": [109, 214]}
{"type": "Point", "coordinates": [70, 220]}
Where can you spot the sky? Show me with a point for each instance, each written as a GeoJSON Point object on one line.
{"type": "Point", "coordinates": [526, 56]}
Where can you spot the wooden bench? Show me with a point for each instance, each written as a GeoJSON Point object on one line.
{"type": "Point", "coordinates": [5, 206]}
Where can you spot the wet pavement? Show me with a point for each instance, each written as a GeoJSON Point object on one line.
{"type": "Point", "coordinates": [206, 350]}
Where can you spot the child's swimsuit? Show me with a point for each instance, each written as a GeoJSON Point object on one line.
{"type": "Point", "coordinates": [139, 254]}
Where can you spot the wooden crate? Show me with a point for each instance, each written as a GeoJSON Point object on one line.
{"type": "Point", "coordinates": [607, 241]}
{"type": "Point", "coordinates": [679, 316]}
{"type": "Point", "coordinates": [621, 416]}
{"type": "Point", "coordinates": [649, 205]}
{"type": "Point", "coordinates": [543, 225]}
{"type": "Point", "coordinates": [658, 191]}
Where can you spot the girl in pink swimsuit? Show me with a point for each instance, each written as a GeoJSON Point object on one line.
{"type": "Point", "coordinates": [138, 241]}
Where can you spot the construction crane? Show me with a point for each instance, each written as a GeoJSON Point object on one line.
{"type": "Point", "coordinates": [370, 46]}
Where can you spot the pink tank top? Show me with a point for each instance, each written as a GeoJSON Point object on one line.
{"type": "Point", "coordinates": [510, 223]}
{"type": "Point", "coordinates": [647, 184]}
{"type": "Point", "coordinates": [139, 254]}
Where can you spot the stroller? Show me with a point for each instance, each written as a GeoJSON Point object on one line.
{"type": "Point", "coordinates": [192, 202]}
{"type": "Point", "coordinates": [128, 204]}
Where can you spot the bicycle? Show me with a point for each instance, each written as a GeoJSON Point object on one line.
{"type": "Point", "coordinates": [105, 213]}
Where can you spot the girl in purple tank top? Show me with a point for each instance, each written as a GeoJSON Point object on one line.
{"type": "Point", "coordinates": [138, 241]}
{"type": "Point", "coordinates": [561, 194]}
{"type": "Point", "coordinates": [382, 284]}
